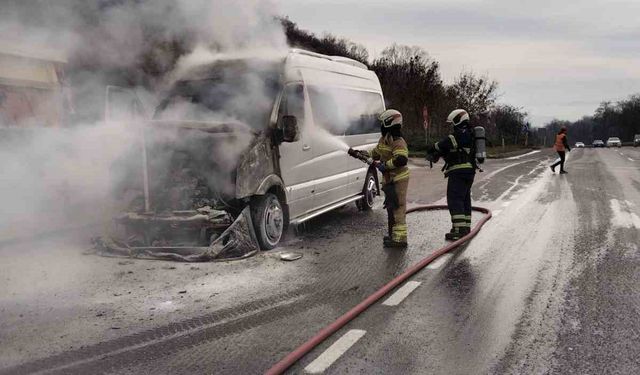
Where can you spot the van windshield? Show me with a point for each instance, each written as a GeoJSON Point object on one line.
{"type": "Point", "coordinates": [229, 91]}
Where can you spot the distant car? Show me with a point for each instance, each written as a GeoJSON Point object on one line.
{"type": "Point", "coordinates": [598, 143]}
{"type": "Point", "coordinates": [636, 140]}
{"type": "Point", "coordinates": [579, 145]}
{"type": "Point", "coordinates": [614, 142]}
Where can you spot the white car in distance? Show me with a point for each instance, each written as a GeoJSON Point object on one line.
{"type": "Point", "coordinates": [614, 142]}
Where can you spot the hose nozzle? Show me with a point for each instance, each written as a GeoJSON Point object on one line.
{"type": "Point", "coordinates": [360, 155]}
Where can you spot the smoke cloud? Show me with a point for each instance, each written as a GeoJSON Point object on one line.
{"type": "Point", "coordinates": [56, 177]}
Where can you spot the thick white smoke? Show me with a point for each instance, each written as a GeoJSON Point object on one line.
{"type": "Point", "coordinates": [51, 178]}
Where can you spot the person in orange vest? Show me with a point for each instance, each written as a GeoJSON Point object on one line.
{"type": "Point", "coordinates": [561, 145]}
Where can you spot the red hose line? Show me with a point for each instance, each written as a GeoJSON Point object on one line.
{"type": "Point", "coordinates": [329, 330]}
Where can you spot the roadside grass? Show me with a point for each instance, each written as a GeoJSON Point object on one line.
{"type": "Point", "coordinates": [492, 152]}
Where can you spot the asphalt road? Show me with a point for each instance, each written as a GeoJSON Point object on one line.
{"type": "Point", "coordinates": [548, 286]}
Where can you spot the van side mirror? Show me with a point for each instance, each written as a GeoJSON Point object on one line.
{"type": "Point", "coordinates": [290, 131]}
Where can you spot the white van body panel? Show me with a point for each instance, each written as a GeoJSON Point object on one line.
{"type": "Point", "coordinates": [295, 159]}
{"type": "Point", "coordinates": [316, 169]}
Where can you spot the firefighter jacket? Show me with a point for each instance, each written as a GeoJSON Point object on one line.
{"type": "Point", "coordinates": [394, 153]}
{"type": "Point", "coordinates": [458, 152]}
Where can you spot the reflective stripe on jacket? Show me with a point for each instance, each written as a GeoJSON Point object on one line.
{"type": "Point", "coordinates": [457, 157]}
{"type": "Point", "coordinates": [388, 150]}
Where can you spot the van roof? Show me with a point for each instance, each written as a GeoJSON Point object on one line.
{"type": "Point", "coordinates": [340, 59]}
{"type": "Point", "coordinates": [301, 65]}
{"type": "Point", "coordinates": [329, 69]}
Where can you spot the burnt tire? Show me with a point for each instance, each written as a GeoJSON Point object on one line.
{"type": "Point", "coordinates": [268, 220]}
{"type": "Point", "coordinates": [369, 192]}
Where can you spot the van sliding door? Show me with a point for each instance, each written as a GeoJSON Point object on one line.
{"type": "Point", "coordinates": [330, 158]}
{"type": "Point", "coordinates": [342, 118]}
{"type": "Point", "coordinates": [363, 132]}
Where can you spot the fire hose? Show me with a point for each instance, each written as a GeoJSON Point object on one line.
{"type": "Point", "coordinates": [329, 330]}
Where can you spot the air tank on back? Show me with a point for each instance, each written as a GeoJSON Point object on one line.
{"type": "Point", "coordinates": [480, 139]}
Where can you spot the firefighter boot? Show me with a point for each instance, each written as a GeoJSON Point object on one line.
{"type": "Point", "coordinates": [396, 244]}
{"type": "Point", "coordinates": [453, 234]}
{"type": "Point", "coordinates": [456, 234]}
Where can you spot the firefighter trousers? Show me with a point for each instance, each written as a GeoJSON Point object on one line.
{"type": "Point", "coordinates": [397, 216]}
{"type": "Point", "coordinates": [459, 200]}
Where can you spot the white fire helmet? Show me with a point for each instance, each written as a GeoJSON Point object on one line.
{"type": "Point", "coordinates": [390, 118]}
{"type": "Point", "coordinates": [457, 117]}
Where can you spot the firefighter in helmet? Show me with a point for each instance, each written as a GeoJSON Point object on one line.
{"type": "Point", "coordinates": [390, 157]}
{"type": "Point", "coordinates": [458, 151]}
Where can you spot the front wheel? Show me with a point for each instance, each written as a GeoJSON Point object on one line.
{"type": "Point", "coordinates": [369, 193]}
{"type": "Point", "coordinates": [268, 220]}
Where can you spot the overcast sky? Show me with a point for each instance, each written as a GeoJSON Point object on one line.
{"type": "Point", "coordinates": [557, 59]}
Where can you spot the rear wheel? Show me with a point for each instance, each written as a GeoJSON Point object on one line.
{"type": "Point", "coordinates": [369, 193]}
{"type": "Point", "coordinates": [268, 220]}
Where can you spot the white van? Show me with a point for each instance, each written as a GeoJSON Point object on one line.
{"type": "Point", "coordinates": [271, 134]}
{"type": "Point", "coordinates": [344, 99]}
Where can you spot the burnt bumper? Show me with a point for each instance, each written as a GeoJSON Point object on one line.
{"type": "Point", "coordinates": [190, 236]}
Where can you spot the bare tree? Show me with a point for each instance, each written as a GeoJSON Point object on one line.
{"type": "Point", "coordinates": [476, 94]}
{"type": "Point", "coordinates": [510, 122]}
{"type": "Point", "coordinates": [411, 80]}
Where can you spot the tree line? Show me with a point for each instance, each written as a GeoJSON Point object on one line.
{"type": "Point", "coordinates": [611, 119]}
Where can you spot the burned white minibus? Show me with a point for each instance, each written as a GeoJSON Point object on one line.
{"type": "Point", "coordinates": [256, 142]}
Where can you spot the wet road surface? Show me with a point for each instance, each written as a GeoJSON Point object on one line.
{"type": "Point", "coordinates": [547, 286]}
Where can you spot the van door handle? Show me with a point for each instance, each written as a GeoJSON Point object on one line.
{"type": "Point", "coordinates": [306, 147]}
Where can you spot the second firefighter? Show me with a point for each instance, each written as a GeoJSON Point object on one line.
{"type": "Point", "coordinates": [458, 151]}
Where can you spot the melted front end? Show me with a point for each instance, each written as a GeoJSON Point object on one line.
{"type": "Point", "coordinates": [180, 204]}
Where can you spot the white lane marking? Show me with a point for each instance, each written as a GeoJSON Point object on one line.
{"type": "Point", "coordinates": [522, 156]}
{"type": "Point", "coordinates": [402, 293]}
{"type": "Point", "coordinates": [439, 262]}
{"type": "Point", "coordinates": [334, 352]}
{"type": "Point", "coordinates": [491, 174]}
{"type": "Point", "coordinates": [495, 213]}
{"type": "Point", "coordinates": [630, 159]}
{"type": "Point", "coordinates": [505, 204]}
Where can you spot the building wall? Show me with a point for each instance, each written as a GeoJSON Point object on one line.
{"type": "Point", "coordinates": [30, 91]}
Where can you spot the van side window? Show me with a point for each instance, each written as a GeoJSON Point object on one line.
{"type": "Point", "coordinates": [292, 103]}
{"type": "Point", "coordinates": [326, 109]}
{"type": "Point", "coordinates": [344, 111]}
{"type": "Point", "coordinates": [369, 107]}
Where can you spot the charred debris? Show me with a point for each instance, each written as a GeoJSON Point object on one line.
{"type": "Point", "coordinates": [181, 204]}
